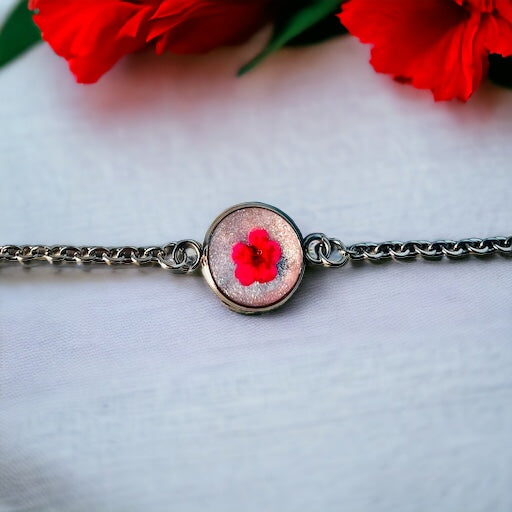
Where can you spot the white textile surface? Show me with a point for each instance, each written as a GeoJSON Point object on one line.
{"type": "Point", "coordinates": [376, 388]}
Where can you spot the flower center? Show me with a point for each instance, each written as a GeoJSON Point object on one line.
{"type": "Point", "coordinates": [257, 255]}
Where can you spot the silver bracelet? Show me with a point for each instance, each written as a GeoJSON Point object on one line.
{"type": "Point", "coordinates": [254, 256]}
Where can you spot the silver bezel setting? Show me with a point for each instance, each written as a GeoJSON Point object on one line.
{"type": "Point", "coordinates": [207, 271]}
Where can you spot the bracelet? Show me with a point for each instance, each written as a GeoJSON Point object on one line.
{"type": "Point", "coordinates": [254, 256]}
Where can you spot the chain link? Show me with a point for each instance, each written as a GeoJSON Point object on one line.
{"type": "Point", "coordinates": [321, 250]}
{"type": "Point", "coordinates": [183, 256]}
{"type": "Point", "coordinates": [331, 252]}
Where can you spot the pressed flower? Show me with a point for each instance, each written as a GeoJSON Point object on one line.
{"type": "Point", "coordinates": [257, 260]}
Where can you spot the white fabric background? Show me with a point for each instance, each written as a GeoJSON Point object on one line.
{"type": "Point", "coordinates": [377, 388]}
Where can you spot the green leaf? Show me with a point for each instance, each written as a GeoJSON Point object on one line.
{"type": "Point", "coordinates": [302, 19]}
{"type": "Point", "coordinates": [327, 28]}
{"type": "Point", "coordinates": [18, 33]}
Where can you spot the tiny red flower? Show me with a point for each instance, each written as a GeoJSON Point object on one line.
{"type": "Point", "coordinates": [441, 45]}
{"type": "Point", "coordinates": [92, 35]}
{"type": "Point", "coordinates": [256, 261]}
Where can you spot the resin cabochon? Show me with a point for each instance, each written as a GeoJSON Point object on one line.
{"type": "Point", "coordinates": [234, 227]}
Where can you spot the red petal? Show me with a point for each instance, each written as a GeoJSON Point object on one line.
{"type": "Point", "coordinates": [241, 253]}
{"type": "Point", "coordinates": [92, 35]}
{"type": "Point", "coordinates": [430, 43]}
{"type": "Point", "coordinates": [246, 274]}
{"type": "Point", "coordinates": [504, 8]}
{"type": "Point", "coordinates": [258, 238]}
{"type": "Point", "coordinates": [272, 252]}
{"type": "Point", "coordinates": [266, 274]}
{"type": "Point", "coordinates": [496, 31]}
{"type": "Point", "coordinates": [201, 26]}
{"type": "Point", "coordinates": [89, 35]}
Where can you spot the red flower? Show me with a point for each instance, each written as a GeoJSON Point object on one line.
{"type": "Point", "coordinates": [442, 45]}
{"type": "Point", "coordinates": [92, 35]}
{"type": "Point", "coordinates": [258, 260]}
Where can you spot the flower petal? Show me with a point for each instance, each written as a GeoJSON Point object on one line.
{"type": "Point", "coordinates": [199, 26]}
{"type": "Point", "coordinates": [246, 274]}
{"type": "Point", "coordinates": [272, 252]}
{"type": "Point", "coordinates": [496, 31]}
{"type": "Point", "coordinates": [241, 253]}
{"type": "Point", "coordinates": [258, 238]}
{"type": "Point", "coordinates": [265, 274]}
{"type": "Point", "coordinates": [92, 35]}
{"type": "Point", "coordinates": [87, 34]}
{"type": "Point", "coordinates": [431, 44]}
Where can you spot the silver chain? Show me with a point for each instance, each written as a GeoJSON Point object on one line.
{"type": "Point", "coordinates": [331, 252]}
{"type": "Point", "coordinates": [183, 256]}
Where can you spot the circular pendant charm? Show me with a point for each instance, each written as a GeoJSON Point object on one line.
{"type": "Point", "coordinates": [253, 258]}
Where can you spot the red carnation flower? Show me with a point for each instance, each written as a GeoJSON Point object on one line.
{"type": "Point", "coordinates": [441, 45]}
{"type": "Point", "coordinates": [92, 35]}
{"type": "Point", "coordinates": [258, 260]}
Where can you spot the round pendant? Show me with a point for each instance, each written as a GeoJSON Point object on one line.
{"type": "Point", "coordinates": [253, 258]}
